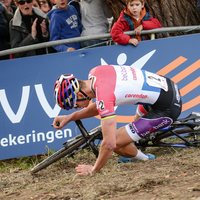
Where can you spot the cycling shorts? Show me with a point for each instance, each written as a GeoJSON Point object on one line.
{"type": "Point", "coordinates": [157, 116]}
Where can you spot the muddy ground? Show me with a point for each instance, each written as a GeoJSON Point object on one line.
{"type": "Point", "coordinates": [174, 174]}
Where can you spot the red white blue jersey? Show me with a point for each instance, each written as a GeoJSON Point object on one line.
{"type": "Point", "coordinates": [115, 85]}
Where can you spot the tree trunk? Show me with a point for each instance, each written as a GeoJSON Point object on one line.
{"type": "Point", "coordinates": [170, 13]}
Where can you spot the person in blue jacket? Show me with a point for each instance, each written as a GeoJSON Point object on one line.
{"type": "Point", "coordinates": [64, 24]}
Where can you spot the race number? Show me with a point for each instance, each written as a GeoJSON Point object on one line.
{"type": "Point", "coordinates": [101, 105]}
{"type": "Point", "coordinates": [156, 81]}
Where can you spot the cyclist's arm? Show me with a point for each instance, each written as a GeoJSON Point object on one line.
{"type": "Point", "coordinates": [108, 144]}
{"type": "Point", "coordinates": [87, 112]}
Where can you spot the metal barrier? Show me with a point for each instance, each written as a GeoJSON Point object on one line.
{"type": "Point", "coordinates": [101, 36]}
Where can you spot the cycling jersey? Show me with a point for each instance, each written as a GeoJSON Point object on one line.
{"type": "Point", "coordinates": [158, 97]}
{"type": "Point", "coordinates": [115, 85]}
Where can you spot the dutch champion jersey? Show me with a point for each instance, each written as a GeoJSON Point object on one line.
{"type": "Point", "coordinates": [115, 85]}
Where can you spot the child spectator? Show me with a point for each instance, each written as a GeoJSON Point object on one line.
{"type": "Point", "coordinates": [45, 5]}
{"type": "Point", "coordinates": [29, 26]}
{"type": "Point", "coordinates": [64, 24]}
{"type": "Point", "coordinates": [133, 17]}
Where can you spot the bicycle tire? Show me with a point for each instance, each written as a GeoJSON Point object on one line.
{"type": "Point", "coordinates": [75, 143]}
{"type": "Point", "coordinates": [57, 155]}
{"type": "Point", "coordinates": [161, 136]}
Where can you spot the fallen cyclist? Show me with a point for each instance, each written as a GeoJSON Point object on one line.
{"type": "Point", "coordinates": [112, 85]}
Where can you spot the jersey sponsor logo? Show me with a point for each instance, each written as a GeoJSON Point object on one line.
{"type": "Point", "coordinates": [139, 96]}
{"type": "Point", "coordinates": [134, 74]}
{"type": "Point", "coordinates": [101, 105]}
{"type": "Point", "coordinates": [164, 123]}
{"type": "Point", "coordinates": [124, 73]}
{"type": "Point", "coordinates": [131, 128]}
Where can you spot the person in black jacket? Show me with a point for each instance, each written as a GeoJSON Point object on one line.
{"type": "Point", "coordinates": [29, 26]}
{"type": "Point", "coordinates": [4, 33]}
{"type": "Point", "coordinates": [198, 6]}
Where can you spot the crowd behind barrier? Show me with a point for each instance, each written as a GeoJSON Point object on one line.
{"type": "Point", "coordinates": [101, 36]}
{"type": "Point", "coordinates": [38, 21]}
{"type": "Point", "coordinates": [92, 18]}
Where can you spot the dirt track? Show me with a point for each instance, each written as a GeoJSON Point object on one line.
{"type": "Point", "coordinates": [174, 174]}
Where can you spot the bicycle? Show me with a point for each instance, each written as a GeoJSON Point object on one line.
{"type": "Point", "coordinates": [186, 129]}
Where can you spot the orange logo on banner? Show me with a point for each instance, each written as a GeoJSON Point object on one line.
{"type": "Point", "coordinates": [180, 76]}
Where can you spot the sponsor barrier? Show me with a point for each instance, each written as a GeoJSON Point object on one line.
{"type": "Point", "coordinates": [27, 107]}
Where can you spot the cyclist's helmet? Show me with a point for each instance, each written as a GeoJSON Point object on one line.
{"type": "Point", "coordinates": [65, 91]}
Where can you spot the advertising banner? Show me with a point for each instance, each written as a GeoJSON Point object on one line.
{"type": "Point", "coordinates": [27, 106]}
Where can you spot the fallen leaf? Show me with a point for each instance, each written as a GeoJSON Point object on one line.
{"type": "Point", "coordinates": [184, 174]}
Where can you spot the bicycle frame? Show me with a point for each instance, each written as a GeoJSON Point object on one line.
{"type": "Point", "coordinates": [188, 143]}
{"type": "Point", "coordinates": [180, 123]}
{"type": "Point", "coordinates": [155, 139]}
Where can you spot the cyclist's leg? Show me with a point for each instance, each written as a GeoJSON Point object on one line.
{"type": "Point", "coordinates": [126, 148]}
{"type": "Point", "coordinates": [152, 118]}
{"type": "Point", "coordinates": [141, 111]}
{"type": "Point", "coordinates": [138, 129]}
{"type": "Point", "coordinates": [124, 144]}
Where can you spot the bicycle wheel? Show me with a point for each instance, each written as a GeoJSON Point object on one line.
{"type": "Point", "coordinates": [58, 155]}
{"type": "Point", "coordinates": [69, 147]}
{"type": "Point", "coordinates": [161, 138]}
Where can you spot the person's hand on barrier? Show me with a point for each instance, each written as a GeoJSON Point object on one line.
{"type": "Point", "coordinates": [84, 170]}
{"type": "Point", "coordinates": [33, 28]}
{"type": "Point", "coordinates": [133, 41]}
{"type": "Point", "coordinates": [43, 27]}
{"type": "Point", "coordinates": [71, 49]}
{"type": "Point", "coordinates": [138, 30]}
{"type": "Point", "coordinates": [60, 121]}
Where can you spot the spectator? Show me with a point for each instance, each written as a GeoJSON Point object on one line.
{"type": "Point", "coordinates": [35, 4]}
{"type": "Point", "coordinates": [4, 33]}
{"type": "Point", "coordinates": [94, 19]}
{"type": "Point", "coordinates": [76, 4]}
{"type": "Point", "coordinates": [7, 16]}
{"type": "Point", "coordinates": [133, 17]}
{"type": "Point", "coordinates": [29, 26]}
{"type": "Point", "coordinates": [64, 24]}
{"type": "Point", "coordinates": [198, 6]}
{"type": "Point", "coordinates": [45, 5]}
{"type": "Point", "coordinates": [9, 5]}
